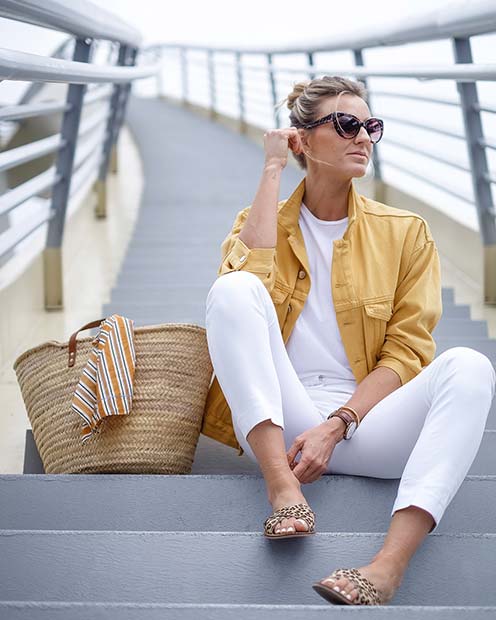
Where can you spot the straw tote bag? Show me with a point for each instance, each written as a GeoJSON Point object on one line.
{"type": "Point", "coordinates": [160, 434]}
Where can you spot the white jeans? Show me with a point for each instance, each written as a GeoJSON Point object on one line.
{"type": "Point", "coordinates": [427, 432]}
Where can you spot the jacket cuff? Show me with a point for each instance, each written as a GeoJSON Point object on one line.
{"type": "Point", "coordinates": [405, 372]}
{"type": "Point", "coordinates": [257, 260]}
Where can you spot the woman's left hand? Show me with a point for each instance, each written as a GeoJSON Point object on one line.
{"type": "Point", "coordinates": [316, 445]}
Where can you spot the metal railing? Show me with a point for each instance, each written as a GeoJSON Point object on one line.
{"type": "Point", "coordinates": [83, 146]}
{"type": "Point", "coordinates": [457, 23]}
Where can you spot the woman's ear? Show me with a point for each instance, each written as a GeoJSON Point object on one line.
{"type": "Point", "coordinates": [303, 139]}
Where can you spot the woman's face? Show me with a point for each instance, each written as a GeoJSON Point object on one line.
{"type": "Point", "coordinates": [324, 143]}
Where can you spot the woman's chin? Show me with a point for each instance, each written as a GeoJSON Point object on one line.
{"type": "Point", "coordinates": [358, 170]}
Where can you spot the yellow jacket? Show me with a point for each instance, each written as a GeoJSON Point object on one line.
{"type": "Point", "coordinates": [385, 282]}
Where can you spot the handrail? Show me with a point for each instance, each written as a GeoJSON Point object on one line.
{"type": "Point", "coordinates": [457, 22]}
{"type": "Point", "coordinates": [82, 149]}
{"type": "Point", "coordinates": [21, 66]}
{"type": "Point", "coordinates": [77, 17]}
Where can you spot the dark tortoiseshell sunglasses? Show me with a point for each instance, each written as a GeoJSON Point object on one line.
{"type": "Point", "coordinates": [348, 125]}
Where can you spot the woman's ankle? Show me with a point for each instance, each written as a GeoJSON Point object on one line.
{"type": "Point", "coordinates": [284, 489]}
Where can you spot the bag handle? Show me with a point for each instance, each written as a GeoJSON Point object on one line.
{"type": "Point", "coordinates": [73, 341]}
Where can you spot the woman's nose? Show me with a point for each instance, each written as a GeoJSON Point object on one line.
{"type": "Point", "coordinates": [363, 134]}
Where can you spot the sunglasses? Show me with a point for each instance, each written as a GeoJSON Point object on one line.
{"type": "Point", "coordinates": [348, 125]}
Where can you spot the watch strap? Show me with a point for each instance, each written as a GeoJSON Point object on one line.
{"type": "Point", "coordinates": [346, 417]}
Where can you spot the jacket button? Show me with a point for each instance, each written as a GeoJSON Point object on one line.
{"type": "Point", "coordinates": [242, 259]}
{"type": "Point", "coordinates": [302, 274]}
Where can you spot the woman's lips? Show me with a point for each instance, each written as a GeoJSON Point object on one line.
{"type": "Point", "coordinates": [359, 155]}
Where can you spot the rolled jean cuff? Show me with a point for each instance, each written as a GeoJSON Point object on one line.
{"type": "Point", "coordinates": [422, 500]}
{"type": "Point", "coordinates": [245, 422]}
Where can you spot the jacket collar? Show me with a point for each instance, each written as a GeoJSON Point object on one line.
{"type": "Point", "coordinates": [290, 210]}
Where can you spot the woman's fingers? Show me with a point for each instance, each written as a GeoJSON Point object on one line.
{"type": "Point", "coordinates": [294, 449]}
{"type": "Point", "coordinates": [294, 141]}
{"type": "Point", "coordinates": [302, 468]}
{"type": "Point", "coordinates": [278, 141]}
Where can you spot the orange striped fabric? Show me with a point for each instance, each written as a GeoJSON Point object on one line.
{"type": "Point", "coordinates": [106, 384]}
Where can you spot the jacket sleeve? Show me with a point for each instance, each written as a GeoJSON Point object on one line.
{"type": "Point", "coordinates": [237, 256]}
{"type": "Point", "coordinates": [408, 344]}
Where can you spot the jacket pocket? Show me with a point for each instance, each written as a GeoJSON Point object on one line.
{"type": "Point", "coordinates": [278, 295]}
{"type": "Point", "coordinates": [376, 317]}
{"type": "Point", "coordinates": [379, 309]}
{"type": "Point", "coordinates": [280, 298]}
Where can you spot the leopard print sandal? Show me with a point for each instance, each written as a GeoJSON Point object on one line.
{"type": "Point", "coordinates": [367, 593]}
{"type": "Point", "coordinates": [298, 511]}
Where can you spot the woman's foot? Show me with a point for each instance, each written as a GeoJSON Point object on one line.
{"type": "Point", "coordinates": [288, 497]}
{"type": "Point", "coordinates": [386, 576]}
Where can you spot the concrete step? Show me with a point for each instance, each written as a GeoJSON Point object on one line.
{"type": "Point", "coordinates": [452, 328]}
{"type": "Point", "coordinates": [29, 610]}
{"type": "Point", "coordinates": [230, 567]}
{"type": "Point", "coordinates": [173, 312]}
{"type": "Point", "coordinates": [183, 291]}
{"type": "Point", "coordinates": [486, 346]}
{"type": "Point", "coordinates": [235, 503]}
{"type": "Point", "coordinates": [170, 275]}
{"type": "Point", "coordinates": [161, 266]}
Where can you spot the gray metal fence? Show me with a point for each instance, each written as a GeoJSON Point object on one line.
{"type": "Point", "coordinates": [92, 115]}
{"type": "Point", "coordinates": [457, 23]}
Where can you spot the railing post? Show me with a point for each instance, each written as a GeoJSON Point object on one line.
{"type": "Point", "coordinates": [241, 95]}
{"type": "Point", "coordinates": [478, 163]}
{"type": "Point", "coordinates": [113, 158]}
{"type": "Point", "coordinates": [184, 76]}
{"type": "Point", "coordinates": [273, 90]}
{"type": "Point", "coordinates": [378, 182]}
{"type": "Point", "coordinates": [52, 254]}
{"type": "Point", "coordinates": [118, 101]}
{"type": "Point", "coordinates": [311, 74]}
{"type": "Point", "coordinates": [211, 83]}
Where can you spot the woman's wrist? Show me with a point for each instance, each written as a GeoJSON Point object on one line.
{"type": "Point", "coordinates": [336, 427]}
{"type": "Point", "coordinates": [273, 164]}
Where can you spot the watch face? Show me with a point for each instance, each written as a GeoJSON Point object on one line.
{"type": "Point", "coordinates": [350, 430]}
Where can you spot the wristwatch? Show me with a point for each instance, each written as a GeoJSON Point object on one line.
{"type": "Point", "coordinates": [348, 419]}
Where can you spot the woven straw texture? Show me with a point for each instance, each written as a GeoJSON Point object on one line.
{"type": "Point", "coordinates": [160, 434]}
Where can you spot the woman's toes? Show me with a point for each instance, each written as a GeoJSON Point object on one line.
{"type": "Point", "coordinates": [290, 527]}
{"type": "Point", "coordinates": [301, 525]}
{"type": "Point", "coordinates": [343, 586]}
{"type": "Point", "coordinates": [282, 526]}
{"type": "Point", "coordinates": [349, 590]}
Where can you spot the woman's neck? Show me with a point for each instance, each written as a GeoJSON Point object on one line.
{"type": "Point", "coordinates": [325, 198]}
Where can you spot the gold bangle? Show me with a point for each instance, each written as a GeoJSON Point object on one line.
{"type": "Point", "coordinates": [346, 408]}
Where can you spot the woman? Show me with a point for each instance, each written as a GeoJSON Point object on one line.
{"type": "Point", "coordinates": [319, 331]}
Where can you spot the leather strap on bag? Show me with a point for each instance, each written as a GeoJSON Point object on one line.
{"type": "Point", "coordinates": [73, 341]}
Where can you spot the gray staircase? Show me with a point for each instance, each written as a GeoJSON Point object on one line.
{"type": "Point", "coordinates": [191, 547]}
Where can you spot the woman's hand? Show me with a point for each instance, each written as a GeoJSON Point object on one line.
{"type": "Point", "coordinates": [316, 445]}
{"type": "Point", "coordinates": [277, 142]}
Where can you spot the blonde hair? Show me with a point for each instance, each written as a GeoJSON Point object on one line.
{"type": "Point", "coordinates": [304, 101]}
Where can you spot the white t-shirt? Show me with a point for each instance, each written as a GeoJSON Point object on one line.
{"type": "Point", "coordinates": [315, 347]}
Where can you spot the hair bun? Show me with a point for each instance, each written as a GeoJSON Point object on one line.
{"type": "Point", "coordinates": [298, 88]}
